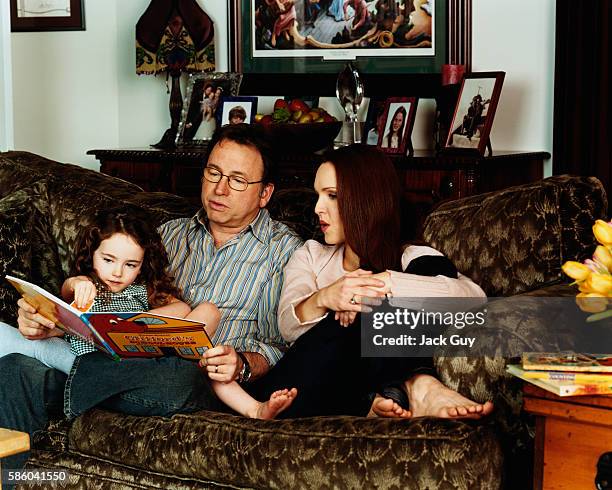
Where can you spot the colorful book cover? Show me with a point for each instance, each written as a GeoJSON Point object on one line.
{"type": "Point", "coordinates": [119, 334]}
{"type": "Point", "coordinates": [567, 361]}
{"type": "Point", "coordinates": [561, 387]}
{"type": "Point", "coordinates": [570, 376]}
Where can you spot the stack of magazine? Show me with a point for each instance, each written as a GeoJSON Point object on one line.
{"type": "Point", "coordinates": [566, 373]}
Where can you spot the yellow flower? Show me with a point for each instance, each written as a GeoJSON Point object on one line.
{"type": "Point", "coordinates": [591, 302]}
{"type": "Point", "coordinates": [576, 270]}
{"type": "Point", "coordinates": [603, 232]}
{"type": "Point", "coordinates": [603, 256]}
{"type": "Point", "coordinates": [599, 283]}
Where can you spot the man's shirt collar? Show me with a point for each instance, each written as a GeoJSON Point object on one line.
{"type": "Point", "coordinates": [260, 227]}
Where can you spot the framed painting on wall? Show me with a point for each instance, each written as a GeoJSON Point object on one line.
{"type": "Point", "coordinates": [294, 36]}
{"type": "Point", "coordinates": [47, 15]}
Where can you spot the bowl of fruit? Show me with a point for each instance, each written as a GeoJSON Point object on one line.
{"type": "Point", "coordinates": [296, 127]}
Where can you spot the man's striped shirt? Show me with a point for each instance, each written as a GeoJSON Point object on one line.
{"type": "Point", "coordinates": [243, 277]}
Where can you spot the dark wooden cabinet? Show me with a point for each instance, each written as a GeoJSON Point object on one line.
{"type": "Point", "coordinates": [426, 178]}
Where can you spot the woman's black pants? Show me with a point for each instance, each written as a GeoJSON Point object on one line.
{"type": "Point", "coordinates": [326, 367]}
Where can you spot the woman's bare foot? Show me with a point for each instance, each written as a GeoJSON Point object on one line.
{"type": "Point", "coordinates": [429, 397]}
{"type": "Point", "coordinates": [386, 407]}
{"type": "Point", "coordinates": [279, 401]}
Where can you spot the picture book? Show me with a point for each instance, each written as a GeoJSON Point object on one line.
{"type": "Point", "coordinates": [562, 387]}
{"type": "Point", "coordinates": [119, 334]}
{"type": "Point", "coordinates": [567, 361]}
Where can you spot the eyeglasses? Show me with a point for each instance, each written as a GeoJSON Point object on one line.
{"type": "Point", "coordinates": [234, 181]}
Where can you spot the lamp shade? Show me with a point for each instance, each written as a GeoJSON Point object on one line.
{"type": "Point", "coordinates": [174, 36]}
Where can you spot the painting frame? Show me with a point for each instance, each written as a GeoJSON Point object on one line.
{"type": "Point", "coordinates": [393, 106]}
{"type": "Point", "coordinates": [73, 22]}
{"type": "Point", "coordinates": [192, 115]}
{"type": "Point", "coordinates": [242, 60]}
{"type": "Point", "coordinates": [470, 129]}
{"type": "Point", "coordinates": [247, 103]}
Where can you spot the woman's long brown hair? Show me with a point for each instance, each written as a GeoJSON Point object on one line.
{"type": "Point", "coordinates": [136, 224]}
{"type": "Point", "coordinates": [368, 202]}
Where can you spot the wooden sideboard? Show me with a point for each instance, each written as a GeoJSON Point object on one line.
{"type": "Point", "coordinates": [426, 178]}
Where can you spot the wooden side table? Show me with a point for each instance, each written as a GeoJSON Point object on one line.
{"type": "Point", "coordinates": [12, 442]}
{"type": "Point", "coordinates": [571, 434]}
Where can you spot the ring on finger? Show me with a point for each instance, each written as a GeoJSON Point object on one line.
{"type": "Point", "coordinates": [216, 369]}
{"type": "Point", "coordinates": [353, 301]}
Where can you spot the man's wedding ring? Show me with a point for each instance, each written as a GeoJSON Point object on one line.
{"type": "Point", "coordinates": [352, 301]}
{"type": "Point", "coordinates": [216, 369]}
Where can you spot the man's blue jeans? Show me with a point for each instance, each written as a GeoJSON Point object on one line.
{"type": "Point", "coordinates": [31, 392]}
{"type": "Point", "coordinates": [163, 386]}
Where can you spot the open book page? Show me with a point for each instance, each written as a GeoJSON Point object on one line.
{"type": "Point", "coordinates": [120, 334]}
{"type": "Point", "coordinates": [69, 319]}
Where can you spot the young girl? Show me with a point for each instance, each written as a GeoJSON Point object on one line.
{"type": "Point", "coordinates": [120, 265]}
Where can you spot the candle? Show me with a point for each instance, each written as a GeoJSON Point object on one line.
{"type": "Point", "coordinates": [452, 74]}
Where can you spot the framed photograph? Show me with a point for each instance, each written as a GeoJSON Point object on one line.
{"type": "Point", "coordinates": [202, 102]}
{"type": "Point", "coordinates": [47, 15]}
{"type": "Point", "coordinates": [319, 36]}
{"type": "Point", "coordinates": [396, 128]}
{"type": "Point", "coordinates": [237, 110]}
{"type": "Point", "coordinates": [374, 120]}
{"type": "Point", "coordinates": [473, 118]}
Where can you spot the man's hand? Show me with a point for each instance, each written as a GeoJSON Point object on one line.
{"type": "Point", "coordinates": [33, 325]}
{"type": "Point", "coordinates": [222, 363]}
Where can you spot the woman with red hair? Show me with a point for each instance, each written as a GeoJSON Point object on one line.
{"type": "Point", "coordinates": [327, 286]}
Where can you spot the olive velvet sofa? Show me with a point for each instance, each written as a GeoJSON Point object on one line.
{"type": "Point", "coordinates": [511, 242]}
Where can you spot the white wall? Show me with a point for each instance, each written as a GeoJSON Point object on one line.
{"type": "Point", "coordinates": [65, 88]}
{"type": "Point", "coordinates": [75, 91]}
{"type": "Point", "coordinates": [6, 83]}
{"type": "Point", "coordinates": [517, 36]}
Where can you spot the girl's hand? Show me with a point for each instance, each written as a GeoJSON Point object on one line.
{"type": "Point", "coordinates": [352, 292]}
{"type": "Point", "coordinates": [84, 291]}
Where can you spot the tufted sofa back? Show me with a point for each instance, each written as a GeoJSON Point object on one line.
{"type": "Point", "coordinates": [515, 240]}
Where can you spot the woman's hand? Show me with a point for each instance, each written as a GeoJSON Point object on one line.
{"type": "Point", "coordinates": [352, 292]}
{"type": "Point", "coordinates": [345, 318]}
{"type": "Point", "coordinates": [84, 290]}
{"type": "Point", "coordinates": [385, 277]}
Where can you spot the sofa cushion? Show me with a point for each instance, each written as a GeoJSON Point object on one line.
{"type": "Point", "coordinates": [515, 240]}
{"type": "Point", "coordinates": [295, 208]}
{"type": "Point", "coordinates": [16, 223]}
{"type": "Point", "coordinates": [20, 169]}
{"type": "Point", "coordinates": [322, 452]}
{"type": "Point", "coordinates": [27, 210]}
{"type": "Point", "coordinates": [72, 207]}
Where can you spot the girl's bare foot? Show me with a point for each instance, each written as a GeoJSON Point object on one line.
{"type": "Point", "coordinates": [386, 407]}
{"type": "Point", "coordinates": [429, 397]}
{"type": "Point", "coordinates": [279, 401]}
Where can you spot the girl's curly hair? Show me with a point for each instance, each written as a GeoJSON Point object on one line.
{"type": "Point", "coordinates": [136, 224]}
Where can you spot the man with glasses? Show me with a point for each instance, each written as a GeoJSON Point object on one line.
{"type": "Point", "coordinates": [231, 254]}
